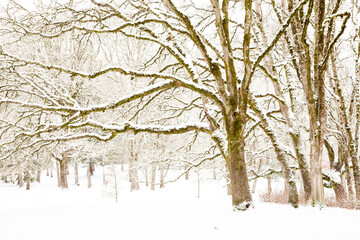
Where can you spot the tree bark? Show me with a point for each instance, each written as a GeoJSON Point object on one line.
{"type": "Point", "coordinates": [241, 196]}
{"type": "Point", "coordinates": [20, 179]}
{"type": "Point", "coordinates": [88, 174]}
{"type": "Point", "coordinates": [269, 189]}
{"type": "Point", "coordinates": [133, 170]}
{"type": "Point", "coordinates": [58, 172]}
{"type": "Point", "coordinates": [153, 177]}
{"type": "Point", "coordinates": [27, 180]}
{"type": "Point", "coordinates": [146, 177]}
{"type": "Point", "coordinates": [76, 170]}
{"type": "Point", "coordinates": [162, 175]}
{"type": "Point", "coordinates": [38, 175]}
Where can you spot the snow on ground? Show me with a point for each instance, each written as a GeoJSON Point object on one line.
{"type": "Point", "coordinates": [46, 212]}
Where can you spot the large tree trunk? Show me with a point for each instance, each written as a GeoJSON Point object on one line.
{"type": "Point", "coordinates": [317, 108]}
{"type": "Point", "coordinates": [63, 183]}
{"type": "Point", "coordinates": [241, 196]}
{"type": "Point", "coordinates": [63, 178]}
{"type": "Point", "coordinates": [316, 170]}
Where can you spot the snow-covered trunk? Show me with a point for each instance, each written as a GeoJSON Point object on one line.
{"type": "Point", "coordinates": [339, 188]}
{"type": "Point", "coordinates": [317, 110]}
{"type": "Point", "coordinates": [76, 170]}
{"type": "Point", "coordinates": [27, 180]}
{"type": "Point", "coordinates": [20, 179]}
{"type": "Point", "coordinates": [290, 187]}
{"type": "Point", "coordinates": [290, 122]}
{"type": "Point", "coordinates": [351, 141]}
{"type": "Point", "coordinates": [88, 174]}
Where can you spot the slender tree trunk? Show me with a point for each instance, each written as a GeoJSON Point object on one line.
{"type": "Point", "coordinates": [187, 174]}
{"type": "Point", "coordinates": [348, 178]}
{"type": "Point", "coordinates": [162, 175]}
{"type": "Point", "coordinates": [351, 142]}
{"type": "Point", "coordinates": [38, 175]}
{"type": "Point", "coordinates": [291, 123]}
{"type": "Point", "coordinates": [76, 170]}
{"type": "Point", "coordinates": [47, 172]}
{"type": "Point", "coordinates": [292, 193]}
{"type": "Point", "coordinates": [115, 183]}
{"type": "Point", "coordinates": [88, 174]}
{"type": "Point", "coordinates": [133, 170]}
{"type": "Point", "coordinates": [153, 177]}
{"type": "Point", "coordinates": [27, 180]}
{"type": "Point", "coordinates": [269, 189]}
{"type": "Point", "coordinates": [214, 173]}
{"type": "Point", "coordinates": [92, 168]}
{"type": "Point", "coordinates": [146, 177]}
{"type": "Point", "coordinates": [21, 179]}
{"type": "Point", "coordinates": [58, 172]}
{"type": "Point", "coordinates": [255, 180]}
{"type": "Point", "coordinates": [198, 181]}
{"type": "Point", "coordinates": [104, 177]}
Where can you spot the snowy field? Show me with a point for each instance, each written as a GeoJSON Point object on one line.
{"type": "Point", "coordinates": [48, 213]}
